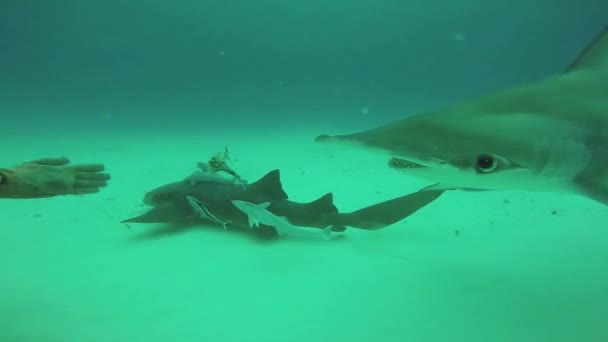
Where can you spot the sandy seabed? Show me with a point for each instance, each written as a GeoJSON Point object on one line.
{"type": "Point", "coordinates": [524, 267]}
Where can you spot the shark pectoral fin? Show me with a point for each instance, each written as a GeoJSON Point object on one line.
{"type": "Point", "coordinates": [386, 213]}
{"type": "Point", "coordinates": [323, 138]}
{"type": "Point", "coordinates": [438, 187]}
{"type": "Point", "coordinates": [157, 215]}
{"type": "Point", "coordinates": [152, 216]}
{"type": "Point", "coordinates": [338, 228]}
{"type": "Point", "coordinates": [596, 189]}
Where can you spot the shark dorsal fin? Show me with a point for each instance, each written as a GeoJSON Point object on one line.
{"type": "Point", "coordinates": [595, 55]}
{"type": "Point", "coordinates": [323, 204]}
{"type": "Point", "coordinates": [269, 187]}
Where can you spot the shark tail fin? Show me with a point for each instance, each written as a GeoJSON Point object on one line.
{"type": "Point", "coordinates": [384, 214]}
{"type": "Point", "coordinates": [595, 55]}
{"type": "Point", "coordinates": [269, 186]}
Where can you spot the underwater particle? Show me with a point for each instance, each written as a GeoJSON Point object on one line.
{"type": "Point", "coordinates": [553, 212]}
{"type": "Point", "coordinates": [459, 37]}
{"type": "Point", "coordinates": [456, 233]}
{"type": "Point", "coordinates": [221, 52]}
{"type": "Point", "coordinates": [364, 111]}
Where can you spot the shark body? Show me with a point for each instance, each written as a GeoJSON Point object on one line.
{"type": "Point", "coordinates": [550, 135]}
{"type": "Point", "coordinates": [209, 200]}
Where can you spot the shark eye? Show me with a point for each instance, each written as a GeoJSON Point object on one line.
{"type": "Point", "coordinates": [486, 163]}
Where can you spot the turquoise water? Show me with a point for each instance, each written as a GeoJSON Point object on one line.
{"type": "Point", "coordinates": [152, 87]}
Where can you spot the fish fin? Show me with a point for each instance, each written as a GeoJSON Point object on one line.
{"type": "Point", "coordinates": [594, 188]}
{"type": "Point", "coordinates": [327, 232]}
{"type": "Point", "coordinates": [252, 221]}
{"type": "Point", "coordinates": [263, 205]}
{"type": "Point", "coordinates": [280, 231]}
{"type": "Point", "coordinates": [269, 186]}
{"type": "Point", "coordinates": [389, 212]}
{"type": "Point", "coordinates": [595, 55]}
{"type": "Point", "coordinates": [284, 219]}
{"type": "Point", "coordinates": [338, 228]}
{"type": "Point", "coordinates": [162, 214]}
{"type": "Point", "coordinates": [438, 187]}
{"type": "Point", "coordinates": [323, 204]}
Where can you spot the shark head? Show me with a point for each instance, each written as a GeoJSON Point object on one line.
{"type": "Point", "coordinates": [550, 135]}
{"type": "Point", "coordinates": [474, 146]}
{"type": "Point", "coordinates": [492, 156]}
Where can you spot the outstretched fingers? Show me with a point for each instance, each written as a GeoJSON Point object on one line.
{"type": "Point", "coordinates": [81, 184]}
{"type": "Point", "coordinates": [84, 191]}
{"type": "Point", "coordinates": [88, 168]}
{"type": "Point", "coordinates": [89, 178]}
{"type": "Point", "coordinates": [50, 161]}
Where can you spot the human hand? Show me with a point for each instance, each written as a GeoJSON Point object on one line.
{"type": "Point", "coordinates": [51, 177]}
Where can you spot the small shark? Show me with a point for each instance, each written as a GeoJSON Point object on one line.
{"type": "Point", "coordinates": [550, 135]}
{"type": "Point", "coordinates": [259, 213]}
{"type": "Point", "coordinates": [170, 202]}
{"type": "Point", "coordinates": [209, 199]}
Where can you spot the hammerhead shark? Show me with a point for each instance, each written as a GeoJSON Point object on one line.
{"type": "Point", "coordinates": [550, 135]}
{"type": "Point", "coordinates": [204, 198]}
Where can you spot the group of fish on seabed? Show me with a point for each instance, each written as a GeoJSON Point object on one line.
{"type": "Point", "coordinates": [550, 135]}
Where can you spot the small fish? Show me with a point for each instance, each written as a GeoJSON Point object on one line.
{"type": "Point", "coordinates": [201, 210]}
{"type": "Point", "coordinates": [258, 214]}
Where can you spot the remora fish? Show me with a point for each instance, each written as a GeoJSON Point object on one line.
{"type": "Point", "coordinates": [259, 214]}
